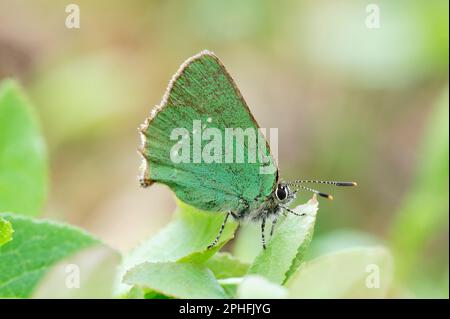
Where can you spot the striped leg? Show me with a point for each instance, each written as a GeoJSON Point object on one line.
{"type": "Point", "coordinates": [220, 232]}
{"type": "Point", "coordinates": [263, 238]}
{"type": "Point", "coordinates": [274, 222]}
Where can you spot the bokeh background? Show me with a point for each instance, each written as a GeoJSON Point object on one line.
{"type": "Point", "coordinates": [350, 102]}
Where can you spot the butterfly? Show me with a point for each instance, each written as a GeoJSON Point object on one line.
{"type": "Point", "coordinates": [203, 142]}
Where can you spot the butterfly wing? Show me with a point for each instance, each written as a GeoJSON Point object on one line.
{"type": "Point", "coordinates": [202, 90]}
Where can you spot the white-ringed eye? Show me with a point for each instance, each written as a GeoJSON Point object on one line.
{"type": "Point", "coordinates": [282, 192]}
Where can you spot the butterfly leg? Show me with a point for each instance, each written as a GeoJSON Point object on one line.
{"type": "Point", "coordinates": [274, 222]}
{"type": "Point", "coordinates": [220, 232]}
{"type": "Point", "coordinates": [263, 238]}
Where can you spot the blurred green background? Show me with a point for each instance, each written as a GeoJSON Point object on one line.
{"type": "Point", "coordinates": [350, 102]}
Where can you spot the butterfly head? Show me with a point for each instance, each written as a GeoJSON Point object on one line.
{"type": "Point", "coordinates": [283, 194]}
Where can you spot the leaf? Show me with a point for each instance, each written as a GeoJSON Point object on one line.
{"type": "Point", "coordinates": [230, 285]}
{"type": "Point", "coordinates": [37, 246]}
{"type": "Point", "coordinates": [151, 294]}
{"type": "Point", "coordinates": [136, 293]}
{"type": "Point", "coordinates": [351, 273]}
{"type": "Point", "coordinates": [258, 287]}
{"type": "Point", "coordinates": [23, 159]}
{"type": "Point", "coordinates": [184, 239]}
{"type": "Point", "coordinates": [6, 231]}
{"type": "Point", "coordinates": [285, 251]}
{"type": "Point", "coordinates": [178, 280]}
{"type": "Point", "coordinates": [224, 265]}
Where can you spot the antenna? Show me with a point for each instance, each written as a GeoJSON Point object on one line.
{"type": "Point", "coordinates": [297, 183]}
{"type": "Point", "coordinates": [335, 183]}
{"type": "Point", "coordinates": [327, 196]}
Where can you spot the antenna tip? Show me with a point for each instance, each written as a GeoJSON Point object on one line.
{"type": "Point", "coordinates": [327, 196]}
{"type": "Point", "coordinates": [346, 184]}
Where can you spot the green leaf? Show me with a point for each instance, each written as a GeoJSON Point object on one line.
{"type": "Point", "coordinates": [23, 159]}
{"type": "Point", "coordinates": [258, 287]}
{"type": "Point", "coordinates": [352, 273]}
{"type": "Point", "coordinates": [6, 231]}
{"type": "Point", "coordinates": [285, 251]}
{"type": "Point", "coordinates": [137, 293]}
{"type": "Point", "coordinates": [151, 294]}
{"type": "Point", "coordinates": [229, 271]}
{"type": "Point", "coordinates": [230, 285]}
{"type": "Point", "coordinates": [184, 239]}
{"type": "Point", "coordinates": [36, 247]}
{"type": "Point", "coordinates": [224, 265]}
{"type": "Point", "coordinates": [178, 280]}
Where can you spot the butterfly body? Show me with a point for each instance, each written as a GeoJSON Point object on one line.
{"type": "Point", "coordinates": [203, 142]}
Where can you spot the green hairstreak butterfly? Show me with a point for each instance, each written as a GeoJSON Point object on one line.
{"type": "Point", "coordinates": [204, 143]}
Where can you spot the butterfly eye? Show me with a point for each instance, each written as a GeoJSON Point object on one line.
{"type": "Point", "coordinates": [281, 192]}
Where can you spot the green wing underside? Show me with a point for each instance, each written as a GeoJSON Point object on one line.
{"type": "Point", "coordinates": [203, 90]}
